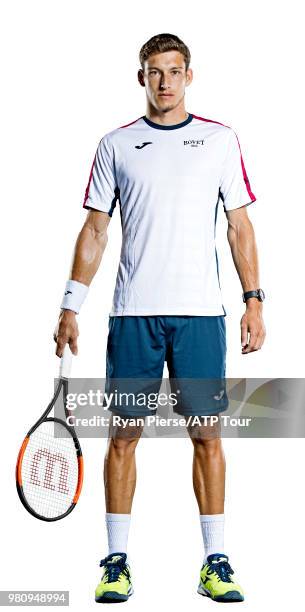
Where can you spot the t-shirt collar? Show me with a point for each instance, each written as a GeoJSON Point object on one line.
{"type": "Point", "coordinates": [175, 126]}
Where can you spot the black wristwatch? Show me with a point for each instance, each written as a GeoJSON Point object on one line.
{"type": "Point", "coordinates": [258, 293]}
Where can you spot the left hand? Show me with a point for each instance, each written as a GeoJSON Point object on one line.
{"type": "Point", "coordinates": [252, 323]}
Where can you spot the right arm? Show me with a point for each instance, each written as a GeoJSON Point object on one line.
{"type": "Point", "coordinates": [88, 252]}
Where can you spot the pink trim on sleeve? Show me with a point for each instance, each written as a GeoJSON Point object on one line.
{"type": "Point", "coordinates": [88, 186]}
{"type": "Point", "coordinates": [247, 182]}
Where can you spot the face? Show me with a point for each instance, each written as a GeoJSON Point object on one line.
{"type": "Point", "coordinates": [165, 78]}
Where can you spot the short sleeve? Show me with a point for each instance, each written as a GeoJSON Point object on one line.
{"type": "Point", "coordinates": [102, 190]}
{"type": "Point", "coordinates": [235, 190]}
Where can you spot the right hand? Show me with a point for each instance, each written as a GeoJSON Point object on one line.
{"type": "Point", "coordinates": [66, 332]}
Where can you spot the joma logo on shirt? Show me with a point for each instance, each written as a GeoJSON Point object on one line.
{"type": "Point", "coordinates": [193, 143]}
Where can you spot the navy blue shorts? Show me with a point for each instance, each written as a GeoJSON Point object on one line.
{"type": "Point", "coordinates": [194, 348]}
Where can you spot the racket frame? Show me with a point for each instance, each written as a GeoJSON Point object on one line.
{"type": "Point", "coordinates": [62, 385]}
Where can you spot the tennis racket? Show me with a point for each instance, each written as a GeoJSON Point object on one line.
{"type": "Point", "coordinates": [49, 470]}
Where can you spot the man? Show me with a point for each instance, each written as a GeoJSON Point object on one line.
{"type": "Point", "coordinates": [168, 169]}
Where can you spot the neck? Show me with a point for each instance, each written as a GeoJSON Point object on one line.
{"type": "Point", "coordinates": [166, 117]}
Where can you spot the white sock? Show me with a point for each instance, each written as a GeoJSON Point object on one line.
{"type": "Point", "coordinates": [117, 531]}
{"type": "Point", "coordinates": [212, 527]}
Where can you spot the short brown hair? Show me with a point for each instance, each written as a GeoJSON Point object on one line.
{"type": "Point", "coordinates": [161, 43]}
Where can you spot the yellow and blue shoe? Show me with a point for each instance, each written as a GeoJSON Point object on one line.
{"type": "Point", "coordinates": [216, 581]}
{"type": "Point", "coordinates": [115, 585]}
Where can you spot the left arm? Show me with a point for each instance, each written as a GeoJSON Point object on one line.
{"type": "Point", "coordinates": [244, 252]}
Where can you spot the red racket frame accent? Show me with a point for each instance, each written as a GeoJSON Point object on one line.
{"type": "Point", "coordinates": [80, 479]}
{"type": "Point", "coordinates": [19, 460]}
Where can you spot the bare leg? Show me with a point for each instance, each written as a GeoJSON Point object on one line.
{"type": "Point", "coordinates": [120, 468]}
{"type": "Point", "coordinates": [208, 468]}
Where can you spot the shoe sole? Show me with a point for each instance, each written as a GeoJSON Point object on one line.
{"type": "Point", "coordinates": [113, 597]}
{"type": "Point", "coordinates": [231, 596]}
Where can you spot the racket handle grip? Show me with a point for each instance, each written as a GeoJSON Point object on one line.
{"type": "Point", "coordinates": [65, 363]}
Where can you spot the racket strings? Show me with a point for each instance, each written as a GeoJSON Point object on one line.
{"type": "Point", "coordinates": [50, 470]}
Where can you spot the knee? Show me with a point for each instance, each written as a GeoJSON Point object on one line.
{"type": "Point", "coordinates": [209, 447]}
{"type": "Point", "coordinates": [122, 446]}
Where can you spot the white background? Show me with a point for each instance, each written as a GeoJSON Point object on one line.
{"type": "Point", "coordinates": [69, 75]}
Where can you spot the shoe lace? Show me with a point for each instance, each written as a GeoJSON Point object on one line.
{"type": "Point", "coordinates": [223, 570]}
{"type": "Point", "coordinates": [114, 569]}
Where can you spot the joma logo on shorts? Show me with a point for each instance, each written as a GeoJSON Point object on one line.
{"type": "Point", "coordinates": [193, 143]}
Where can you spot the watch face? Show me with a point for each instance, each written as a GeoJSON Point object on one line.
{"type": "Point", "coordinates": [261, 295]}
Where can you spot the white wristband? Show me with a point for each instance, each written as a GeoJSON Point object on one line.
{"type": "Point", "coordinates": [75, 294]}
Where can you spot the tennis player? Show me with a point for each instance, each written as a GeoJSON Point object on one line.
{"type": "Point", "coordinates": [168, 170]}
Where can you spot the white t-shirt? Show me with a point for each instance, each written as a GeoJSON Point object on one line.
{"type": "Point", "coordinates": [168, 181]}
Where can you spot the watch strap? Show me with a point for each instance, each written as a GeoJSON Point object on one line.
{"type": "Point", "coordinates": [255, 293]}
